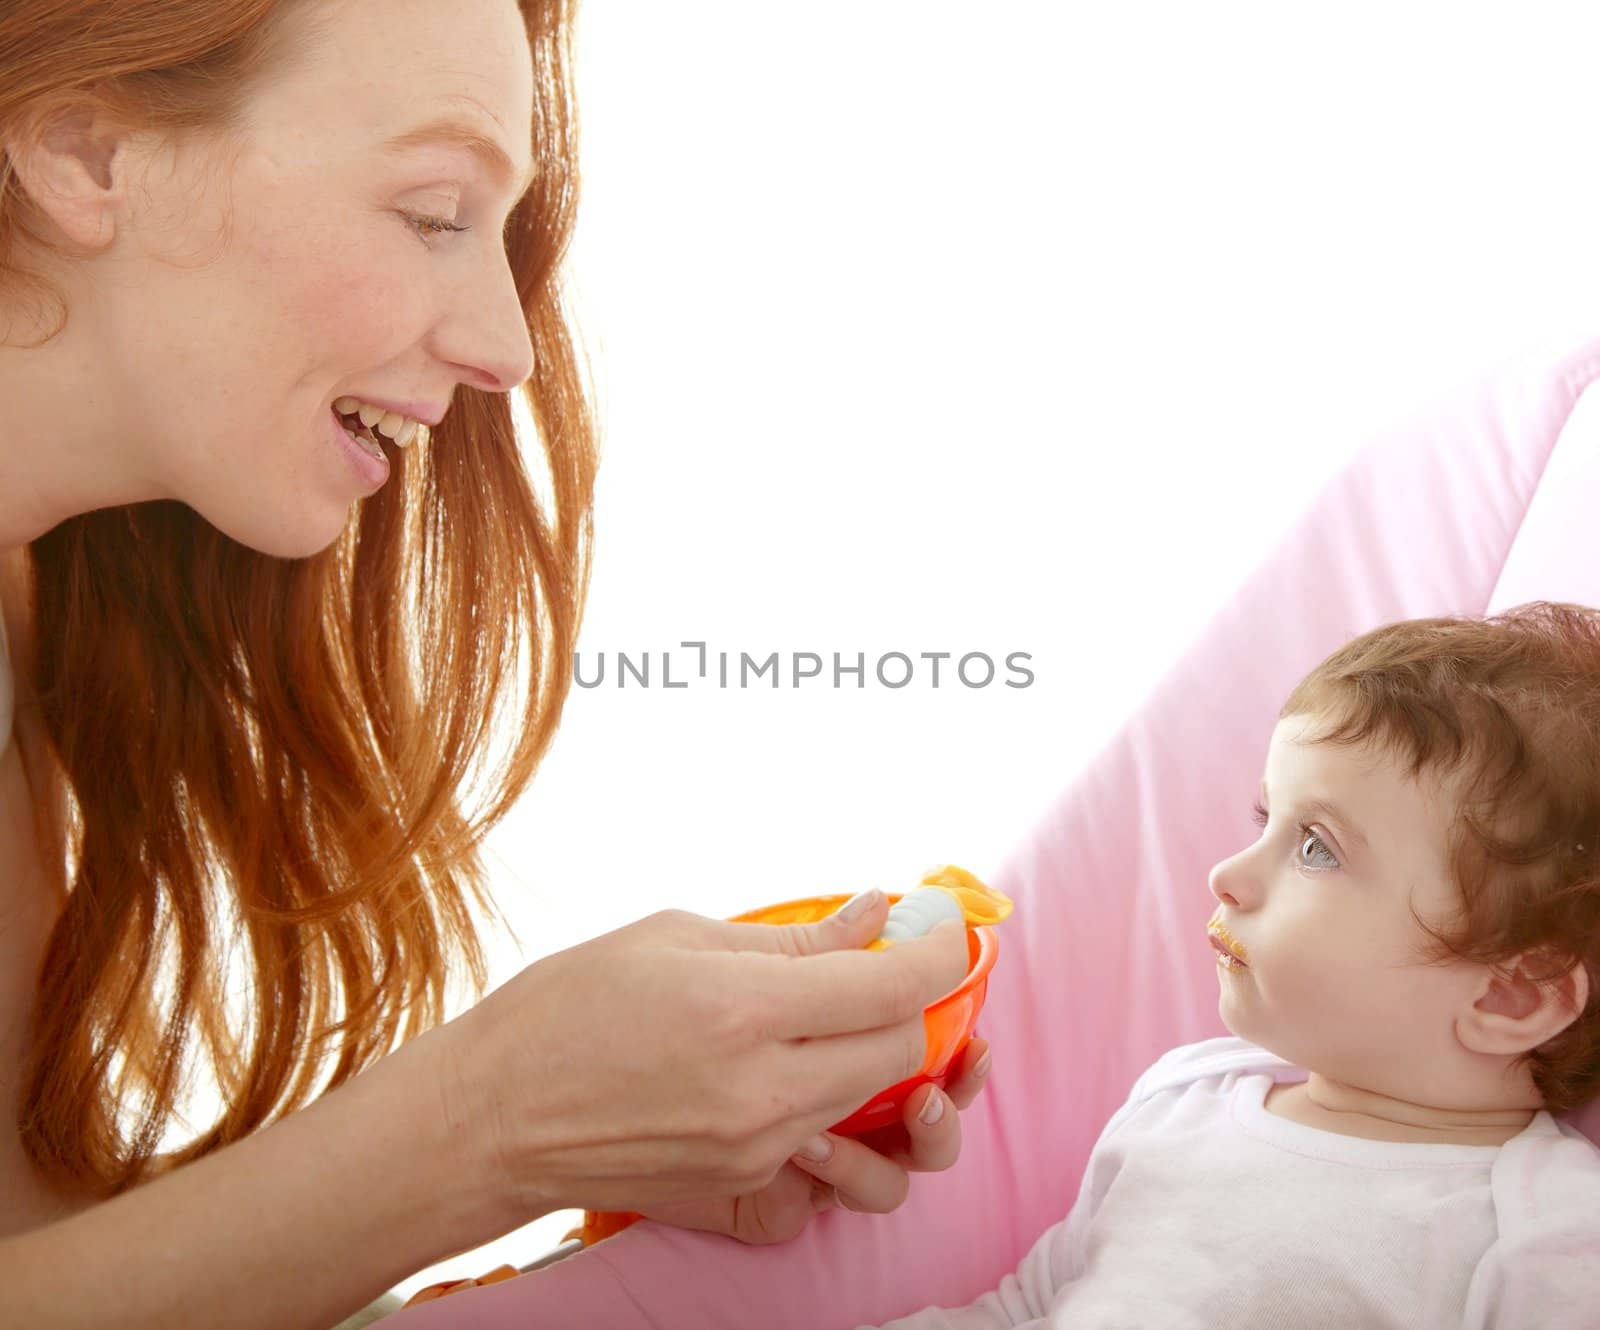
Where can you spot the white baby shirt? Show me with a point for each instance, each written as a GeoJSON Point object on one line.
{"type": "Point", "coordinates": [1198, 1208]}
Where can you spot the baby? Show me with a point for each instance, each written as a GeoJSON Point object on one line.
{"type": "Point", "coordinates": [1409, 961]}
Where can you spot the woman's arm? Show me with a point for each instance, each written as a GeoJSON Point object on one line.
{"type": "Point", "coordinates": [293, 1228]}
{"type": "Point", "coordinates": [673, 1058]}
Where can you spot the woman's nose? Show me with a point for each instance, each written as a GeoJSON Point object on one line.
{"type": "Point", "coordinates": [485, 335]}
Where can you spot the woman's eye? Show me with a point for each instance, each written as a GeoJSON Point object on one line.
{"type": "Point", "coordinates": [428, 227]}
{"type": "Point", "coordinates": [1260, 818]}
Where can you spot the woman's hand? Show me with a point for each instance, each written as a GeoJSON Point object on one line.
{"type": "Point", "coordinates": [870, 1174]}
{"type": "Point", "coordinates": [684, 1059]}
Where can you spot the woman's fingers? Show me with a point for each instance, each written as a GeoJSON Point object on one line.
{"type": "Point", "coordinates": [840, 1073]}
{"type": "Point", "coordinates": [927, 1139]}
{"type": "Point", "coordinates": [970, 1073]}
{"type": "Point", "coordinates": [855, 1177]}
{"type": "Point", "coordinates": [848, 1071]}
{"type": "Point", "coordinates": [852, 925]}
{"type": "Point", "coordinates": [850, 1021]}
{"type": "Point", "coordinates": [935, 1144]}
{"type": "Point", "coordinates": [849, 990]}
{"type": "Point", "coordinates": [873, 1174]}
{"type": "Point", "coordinates": [933, 1118]}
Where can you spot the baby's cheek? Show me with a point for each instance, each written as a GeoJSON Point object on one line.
{"type": "Point", "coordinates": [1319, 976]}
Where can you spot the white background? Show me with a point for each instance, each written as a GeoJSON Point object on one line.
{"type": "Point", "coordinates": [1001, 327]}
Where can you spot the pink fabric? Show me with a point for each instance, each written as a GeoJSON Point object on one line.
{"type": "Point", "coordinates": [1470, 507]}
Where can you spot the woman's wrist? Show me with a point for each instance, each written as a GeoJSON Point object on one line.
{"type": "Point", "coordinates": [451, 1151]}
{"type": "Point", "coordinates": [295, 1226]}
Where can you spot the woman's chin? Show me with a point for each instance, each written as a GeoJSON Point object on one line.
{"type": "Point", "coordinates": [307, 529]}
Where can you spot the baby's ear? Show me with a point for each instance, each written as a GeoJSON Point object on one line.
{"type": "Point", "coordinates": [1543, 994]}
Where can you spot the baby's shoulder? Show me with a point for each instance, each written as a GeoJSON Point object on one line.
{"type": "Point", "coordinates": [1551, 1176]}
{"type": "Point", "coordinates": [1206, 1058]}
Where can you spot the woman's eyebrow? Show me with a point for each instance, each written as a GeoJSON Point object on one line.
{"type": "Point", "coordinates": [456, 132]}
{"type": "Point", "coordinates": [1333, 813]}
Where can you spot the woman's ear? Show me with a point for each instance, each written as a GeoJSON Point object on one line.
{"type": "Point", "coordinates": [72, 166]}
{"type": "Point", "coordinates": [1512, 1012]}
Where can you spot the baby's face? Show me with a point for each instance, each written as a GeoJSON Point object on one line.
{"type": "Point", "coordinates": [1320, 905]}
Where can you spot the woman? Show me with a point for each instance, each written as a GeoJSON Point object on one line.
{"type": "Point", "coordinates": [243, 718]}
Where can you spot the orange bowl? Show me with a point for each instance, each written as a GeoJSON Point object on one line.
{"type": "Point", "coordinates": [950, 1022]}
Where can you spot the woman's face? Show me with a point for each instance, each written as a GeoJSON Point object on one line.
{"type": "Point", "coordinates": [234, 298]}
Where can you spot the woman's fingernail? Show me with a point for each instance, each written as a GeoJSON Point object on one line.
{"type": "Point", "coordinates": [933, 1110]}
{"type": "Point", "coordinates": [818, 1149]}
{"type": "Point", "coordinates": [857, 906]}
{"type": "Point", "coordinates": [980, 1068]}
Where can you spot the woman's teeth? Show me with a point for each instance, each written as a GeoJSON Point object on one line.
{"type": "Point", "coordinates": [399, 430]}
{"type": "Point", "coordinates": [362, 435]}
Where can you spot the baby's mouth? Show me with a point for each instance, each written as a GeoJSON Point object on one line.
{"type": "Point", "coordinates": [1230, 952]}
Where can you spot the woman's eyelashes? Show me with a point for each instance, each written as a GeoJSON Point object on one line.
{"type": "Point", "coordinates": [1306, 833]}
{"type": "Point", "coordinates": [428, 226]}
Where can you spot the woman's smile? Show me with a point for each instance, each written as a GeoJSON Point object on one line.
{"type": "Point", "coordinates": [370, 467]}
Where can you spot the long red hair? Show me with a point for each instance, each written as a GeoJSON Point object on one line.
{"type": "Point", "coordinates": [258, 766]}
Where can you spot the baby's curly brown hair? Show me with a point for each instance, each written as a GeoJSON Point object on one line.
{"type": "Point", "coordinates": [1508, 707]}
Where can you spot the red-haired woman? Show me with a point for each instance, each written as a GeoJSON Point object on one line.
{"type": "Point", "coordinates": [269, 273]}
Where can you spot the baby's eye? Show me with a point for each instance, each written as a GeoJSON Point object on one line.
{"type": "Point", "coordinates": [1305, 832]}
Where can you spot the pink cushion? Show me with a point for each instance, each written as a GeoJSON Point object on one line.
{"type": "Point", "coordinates": [1478, 504]}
